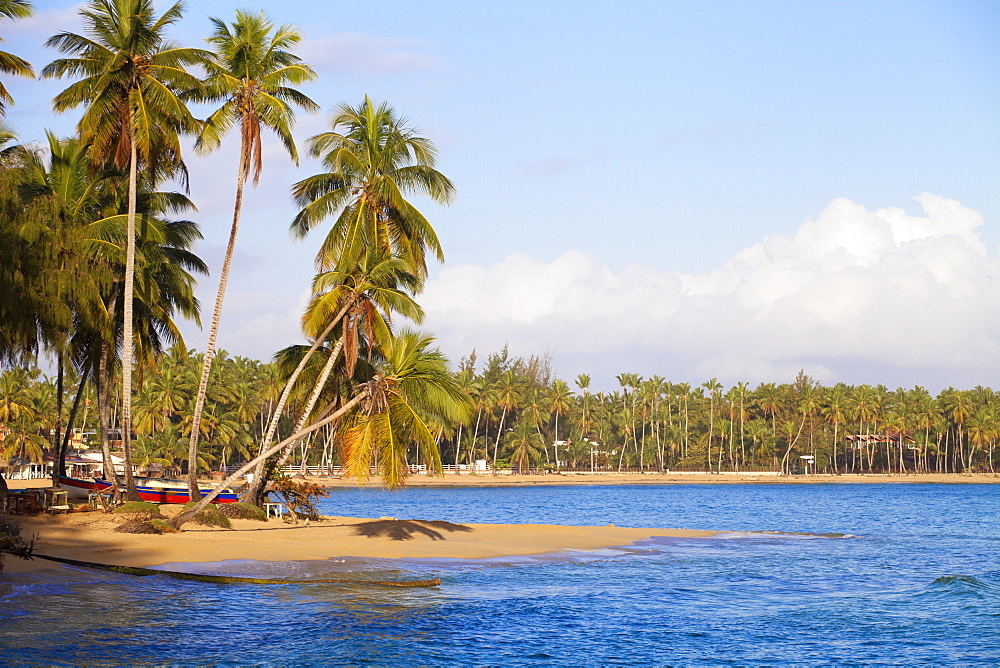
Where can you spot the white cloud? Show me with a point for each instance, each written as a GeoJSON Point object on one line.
{"type": "Point", "coordinates": [46, 22]}
{"type": "Point", "coordinates": [366, 55]}
{"type": "Point", "coordinates": [853, 295]}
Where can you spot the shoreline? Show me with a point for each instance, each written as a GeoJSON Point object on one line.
{"type": "Point", "coordinates": [450, 479]}
{"type": "Point", "coordinates": [90, 536]}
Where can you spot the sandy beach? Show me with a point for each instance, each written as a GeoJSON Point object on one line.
{"type": "Point", "coordinates": [90, 536]}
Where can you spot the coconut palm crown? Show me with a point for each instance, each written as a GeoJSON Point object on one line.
{"type": "Point", "coordinates": [252, 74]}
{"type": "Point", "coordinates": [9, 63]}
{"type": "Point", "coordinates": [374, 160]}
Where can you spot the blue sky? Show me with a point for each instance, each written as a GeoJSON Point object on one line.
{"type": "Point", "coordinates": [690, 189]}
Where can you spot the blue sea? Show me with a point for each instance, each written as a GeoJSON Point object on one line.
{"type": "Point", "coordinates": [884, 573]}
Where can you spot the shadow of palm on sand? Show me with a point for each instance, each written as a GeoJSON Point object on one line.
{"type": "Point", "coordinates": [406, 529]}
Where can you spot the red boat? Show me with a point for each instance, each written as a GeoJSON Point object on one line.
{"type": "Point", "coordinates": [157, 490]}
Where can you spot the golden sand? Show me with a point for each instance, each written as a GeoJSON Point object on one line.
{"type": "Point", "coordinates": [90, 536]}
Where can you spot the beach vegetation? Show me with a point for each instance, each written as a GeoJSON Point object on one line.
{"type": "Point", "coordinates": [145, 508]}
{"type": "Point", "coordinates": [209, 516]}
{"type": "Point", "coordinates": [242, 511]}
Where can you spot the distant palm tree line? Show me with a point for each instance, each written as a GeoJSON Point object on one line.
{"type": "Point", "coordinates": [94, 271]}
{"type": "Point", "coordinates": [652, 424]}
{"type": "Point", "coordinates": [525, 419]}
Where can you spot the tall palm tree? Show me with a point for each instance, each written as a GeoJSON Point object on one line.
{"type": "Point", "coordinates": [713, 386]}
{"type": "Point", "coordinates": [252, 73]}
{"type": "Point", "coordinates": [508, 396]}
{"type": "Point", "coordinates": [583, 382]}
{"type": "Point", "coordinates": [131, 82]}
{"type": "Point", "coordinates": [9, 63]}
{"type": "Point", "coordinates": [835, 413]}
{"type": "Point", "coordinates": [560, 401]}
{"type": "Point", "coordinates": [372, 166]}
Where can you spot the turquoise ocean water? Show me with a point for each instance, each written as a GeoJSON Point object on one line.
{"type": "Point", "coordinates": [889, 574]}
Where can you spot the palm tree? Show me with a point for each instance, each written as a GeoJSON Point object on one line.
{"type": "Point", "coordinates": [372, 166]}
{"type": "Point", "coordinates": [525, 444]}
{"type": "Point", "coordinates": [583, 382]}
{"type": "Point", "coordinates": [509, 394]}
{"type": "Point", "coordinates": [413, 382]}
{"type": "Point", "coordinates": [59, 196]}
{"type": "Point", "coordinates": [384, 416]}
{"type": "Point", "coordinates": [835, 413]}
{"type": "Point", "coordinates": [131, 84]}
{"type": "Point", "coordinates": [252, 73]}
{"type": "Point", "coordinates": [361, 301]}
{"type": "Point", "coordinates": [560, 401]}
{"type": "Point", "coordinates": [713, 386]}
{"type": "Point", "coordinates": [9, 63]}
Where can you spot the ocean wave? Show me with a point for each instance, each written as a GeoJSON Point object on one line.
{"type": "Point", "coordinates": [987, 584]}
{"type": "Point", "coordinates": [801, 535]}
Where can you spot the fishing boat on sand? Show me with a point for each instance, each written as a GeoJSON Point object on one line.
{"type": "Point", "coordinates": [157, 490]}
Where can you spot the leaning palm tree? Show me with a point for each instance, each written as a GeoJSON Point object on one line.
{"type": "Point", "coordinates": [131, 83]}
{"type": "Point", "coordinates": [251, 73]}
{"type": "Point", "coordinates": [9, 63]}
{"type": "Point", "coordinates": [373, 164]}
{"type": "Point", "coordinates": [384, 415]}
{"type": "Point", "coordinates": [361, 302]}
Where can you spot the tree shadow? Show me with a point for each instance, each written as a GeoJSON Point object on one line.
{"type": "Point", "coordinates": [406, 529]}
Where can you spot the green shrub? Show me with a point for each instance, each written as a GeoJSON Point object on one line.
{"type": "Point", "coordinates": [211, 516]}
{"type": "Point", "coordinates": [138, 525]}
{"type": "Point", "coordinates": [151, 510]}
{"type": "Point", "coordinates": [242, 511]}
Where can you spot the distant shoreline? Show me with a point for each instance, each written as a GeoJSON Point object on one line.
{"type": "Point", "coordinates": [449, 480]}
{"type": "Point", "coordinates": [688, 478]}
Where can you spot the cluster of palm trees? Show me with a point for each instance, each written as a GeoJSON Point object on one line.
{"type": "Point", "coordinates": [94, 273]}
{"type": "Point", "coordinates": [526, 419]}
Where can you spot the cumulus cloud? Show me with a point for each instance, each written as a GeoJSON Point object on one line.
{"type": "Point", "coordinates": [853, 295]}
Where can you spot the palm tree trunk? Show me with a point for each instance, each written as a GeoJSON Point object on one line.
{"type": "Point", "coordinates": [314, 397]}
{"type": "Point", "coordinates": [64, 446]}
{"type": "Point", "coordinates": [60, 468]}
{"type": "Point", "coordinates": [791, 445]}
{"type": "Point", "coordinates": [475, 437]}
{"type": "Point", "coordinates": [836, 469]}
{"type": "Point", "coordinates": [208, 498]}
{"type": "Point", "coordinates": [213, 331]}
{"type": "Point", "coordinates": [104, 413]}
{"type": "Point", "coordinates": [127, 343]}
{"type": "Point", "coordinates": [555, 443]}
{"type": "Point", "coordinates": [458, 445]}
{"type": "Point", "coordinates": [257, 483]}
{"type": "Point", "coordinates": [496, 446]}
